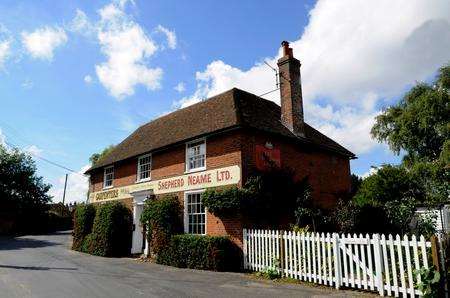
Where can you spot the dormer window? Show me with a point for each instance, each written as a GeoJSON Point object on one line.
{"type": "Point", "coordinates": [196, 156]}
{"type": "Point", "coordinates": [144, 168]}
{"type": "Point", "coordinates": [108, 177]}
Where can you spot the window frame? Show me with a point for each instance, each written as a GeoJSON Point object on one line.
{"type": "Point", "coordinates": [186, 161]}
{"type": "Point", "coordinates": [104, 177]}
{"type": "Point", "coordinates": [138, 174]}
{"type": "Point", "coordinates": [186, 215]}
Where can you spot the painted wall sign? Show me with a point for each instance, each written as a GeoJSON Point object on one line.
{"type": "Point", "coordinates": [265, 156]}
{"type": "Point", "coordinates": [204, 179]}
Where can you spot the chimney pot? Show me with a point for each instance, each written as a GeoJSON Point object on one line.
{"type": "Point", "coordinates": [287, 51]}
{"type": "Point", "coordinates": [291, 91]}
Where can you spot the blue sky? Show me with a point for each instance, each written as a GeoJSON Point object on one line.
{"type": "Point", "coordinates": [77, 76]}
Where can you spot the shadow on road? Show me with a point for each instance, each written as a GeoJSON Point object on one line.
{"type": "Point", "coordinates": [7, 243]}
{"type": "Point", "coordinates": [35, 267]}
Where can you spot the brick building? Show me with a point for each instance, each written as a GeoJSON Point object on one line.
{"type": "Point", "coordinates": [219, 142]}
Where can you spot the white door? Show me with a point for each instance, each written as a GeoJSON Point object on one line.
{"type": "Point", "coordinates": [137, 243]}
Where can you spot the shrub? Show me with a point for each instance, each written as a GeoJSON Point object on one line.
{"type": "Point", "coordinates": [216, 253]}
{"type": "Point", "coordinates": [111, 231]}
{"type": "Point", "coordinates": [163, 219]}
{"type": "Point", "coordinates": [223, 201]}
{"type": "Point", "coordinates": [83, 219]}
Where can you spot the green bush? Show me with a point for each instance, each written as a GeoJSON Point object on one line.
{"type": "Point", "coordinates": [163, 219]}
{"type": "Point", "coordinates": [83, 219]}
{"type": "Point", "coordinates": [111, 231]}
{"type": "Point", "coordinates": [104, 230]}
{"type": "Point", "coordinates": [216, 253]}
{"type": "Point", "coordinates": [223, 201]}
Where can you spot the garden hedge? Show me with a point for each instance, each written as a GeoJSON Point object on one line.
{"type": "Point", "coordinates": [108, 234]}
{"type": "Point", "coordinates": [216, 253]}
{"type": "Point", "coordinates": [83, 219]}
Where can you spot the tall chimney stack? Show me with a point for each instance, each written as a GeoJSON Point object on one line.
{"type": "Point", "coordinates": [291, 91]}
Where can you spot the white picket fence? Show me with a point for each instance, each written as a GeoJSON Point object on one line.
{"type": "Point", "coordinates": [374, 263]}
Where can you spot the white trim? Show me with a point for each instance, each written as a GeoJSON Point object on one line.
{"type": "Point", "coordinates": [104, 177]}
{"type": "Point", "coordinates": [185, 215]}
{"type": "Point", "coordinates": [138, 172]}
{"type": "Point", "coordinates": [186, 162]}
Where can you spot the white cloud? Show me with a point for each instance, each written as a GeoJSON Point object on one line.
{"type": "Point", "coordinates": [77, 187]}
{"type": "Point", "coordinates": [33, 150]}
{"type": "Point", "coordinates": [5, 50]}
{"type": "Point", "coordinates": [370, 172]}
{"type": "Point", "coordinates": [354, 56]}
{"type": "Point", "coordinates": [87, 79]}
{"type": "Point", "coordinates": [170, 35]}
{"type": "Point", "coordinates": [180, 87]}
{"type": "Point", "coordinates": [81, 24]}
{"type": "Point", "coordinates": [126, 46]}
{"type": "Point", "coordinates": [2, 138]}
{"type": "Point", "coordinates": [27, 84]}
{"type": "Point", "coordinates": [42, 42]}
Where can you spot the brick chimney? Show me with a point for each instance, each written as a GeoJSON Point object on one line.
{"type": "Point", "coordinates": [291, 91]}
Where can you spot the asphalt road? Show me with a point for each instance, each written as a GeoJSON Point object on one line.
{"type": "Point", "coordinates": [44, 266]}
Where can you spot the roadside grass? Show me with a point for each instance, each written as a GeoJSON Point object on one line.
{"type": "Point", "coordinates": [287, 280]}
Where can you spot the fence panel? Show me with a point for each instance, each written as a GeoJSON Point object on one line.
{"type": "Point", "coordinates": [375, 262]}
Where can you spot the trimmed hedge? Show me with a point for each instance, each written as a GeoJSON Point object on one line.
{"type": "Point", "coordinates": [83, 219]}
{"type": "Point", "coordinates": [110, 232]}
{"type": "Point", "coordinates": [216, 253]}
{"type": "Point", "coordinates": [163, 219]}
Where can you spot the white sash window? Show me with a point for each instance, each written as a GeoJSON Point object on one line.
{"type": "Point", "coordinates": [195, 214]}
{"type": "Point", "coordinates": [144, 168]}
{"type": "Point", "coordinates": [196, 156]}
{"type": "Point", "coordinates": [108, 177]}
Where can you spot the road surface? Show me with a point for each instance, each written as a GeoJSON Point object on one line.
{"type": "Point", "coordinates": [44, 266]}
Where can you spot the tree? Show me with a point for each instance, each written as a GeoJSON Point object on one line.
{"type": "Point", "coordinates": [393, 190]}
{"type": "Point", "coordinates": [98, 156]}
{"type": "Point", "coordinates": [419, 123]}
{"type": "Point", "coordinates": [23, 194]}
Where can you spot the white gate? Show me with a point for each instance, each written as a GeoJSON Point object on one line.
{"type": "Point", "coordinates": [376, 263]}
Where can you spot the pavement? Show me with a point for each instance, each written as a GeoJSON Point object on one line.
{"type": "Point", "coordinates": [44, 266]}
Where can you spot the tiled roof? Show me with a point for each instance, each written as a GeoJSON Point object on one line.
{"type": "Point", "coordinates": [231, 109]}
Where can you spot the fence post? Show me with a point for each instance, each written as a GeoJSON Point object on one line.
{"type": "Point", "coordinates": [245, 243]}
{"type": "Point", "coordinates": [378, 266]}
{"type": "Point", "coordinates": [337, 260]}
{"type": "Point", "coordinates": [282, 252]}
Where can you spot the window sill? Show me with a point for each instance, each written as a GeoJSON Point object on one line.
{"type": "Point", "coordinates": [108, 187]}
{"type": "Point", "coordinates": [143, 180]}
{"type": "Point", "coordinates": [195, 170]}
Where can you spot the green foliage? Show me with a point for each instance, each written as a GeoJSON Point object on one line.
{"type": "Point", "coordinates": [345, 216]}
{"type": "Point", "coordinates": [98, 156]}
{"type": "Point", "coordinates": [425, 225]}
{"type": "Point", "coordinates": [355, 184]}
{"type": "Point", "coordinates": [266, 189]}
{"type": "Point", "coordinates": [104, 230]}
{"type": "Point", "coordinates": [224, 201]}
{"type": "Point", "coordinates": [394, 190]}
{"type": "Point", "coordinates": [23, 194]}
{"type": "Point", "coordinates": [434, 179]}
{"type": "Point", "coordinates": [271, 272]}
{"type": "Point", "coordinates": [430, 279]}
{"type": "Point", "coordinates": [419, 123]}
{"type": "Point", "coordinates": [201, 252]}
{"type": "Point", "coordinates": [388, 184]}
{"type": "Point", "coordinates": [259, 199]}
{"type": "Point", "coordinates": [111, 231]}
{"type": "Point", "coordinates": [83, 219]}
{"type": "Point", "coordinates": [163, 219]}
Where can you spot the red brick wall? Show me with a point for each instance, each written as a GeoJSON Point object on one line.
{"type": "Point", "coordinates": [221, 151]}
{"type": "Point", "coordinates": [329, 174]}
